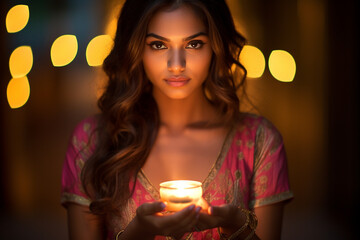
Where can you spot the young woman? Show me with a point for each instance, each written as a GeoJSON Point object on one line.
{"type": "Point", "coordinates": [170, 111]}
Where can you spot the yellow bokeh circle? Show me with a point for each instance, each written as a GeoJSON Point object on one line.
{"type": "Point", "coordinates": [98, 48]}
{"type": "Point", "coordinates": [21, 61]}
{"type": "Point", "coordinates": [17, 18]}
{"type": "Point", "coordinates": [18, 92]}
{"type": "Point", "coordinates": [64, 50]}
{"type": "Point", "coordinates": [282, 65]}
{"type": "Point", "coordinates": [253, 60]}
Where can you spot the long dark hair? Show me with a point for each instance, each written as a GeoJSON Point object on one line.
{"type": "Point", "coordinates": [129, 120]}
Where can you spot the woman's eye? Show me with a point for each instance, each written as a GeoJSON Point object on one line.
{"type": "Point", "coordinates": [157, 45]}
{"type": "Point", "coordinates": [196, 44]}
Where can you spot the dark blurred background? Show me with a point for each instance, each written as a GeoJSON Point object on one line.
{"type": "Point", "coordinates": [317, 112]}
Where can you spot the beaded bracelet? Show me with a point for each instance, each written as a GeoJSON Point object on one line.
{"type": "Point", "coordinates": [251, 221]}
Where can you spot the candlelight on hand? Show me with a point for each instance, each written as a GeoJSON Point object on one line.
{"type": "Point", "coordinates": [179, 194]}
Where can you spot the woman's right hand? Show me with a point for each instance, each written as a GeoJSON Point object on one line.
{"type": "Point", "coordinates": [149, 221]}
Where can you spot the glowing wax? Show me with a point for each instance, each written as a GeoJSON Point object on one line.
{"type": "Point", "coordinates": [179, 194]}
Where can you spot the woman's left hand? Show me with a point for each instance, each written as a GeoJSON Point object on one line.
{"type": "Point", "coordinates": [225, 216]}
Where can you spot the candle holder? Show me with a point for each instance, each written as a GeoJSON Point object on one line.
{"type": "Point", "coordinates": [179, 194]}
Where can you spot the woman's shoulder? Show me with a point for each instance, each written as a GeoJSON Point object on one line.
{"type": "Point", "coordinates": [86, 126]}
{"type": "Point", "coordinates": [255, 124]}
{"type": "Point", "coordinates": [84, 132]}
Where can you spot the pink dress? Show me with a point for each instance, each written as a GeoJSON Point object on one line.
{"type": "Point", "coordinates": [251, 171]}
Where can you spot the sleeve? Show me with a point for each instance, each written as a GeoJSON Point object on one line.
{"type": "Point", "coordinates": [78, 151]}
{"type": "Point", "coordinates": [270, 182]}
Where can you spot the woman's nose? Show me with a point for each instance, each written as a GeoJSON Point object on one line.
{"type": "Point", "coordinates": [176, 61]}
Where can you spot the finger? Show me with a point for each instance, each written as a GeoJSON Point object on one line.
{"type": "Point", "coordinates": [171, 222]}
{"type": "Point", "coordinates": [203, 204]}
{"type": "Point", "coordinates": [221, 211]}
{"type": "Point", "coordinates": [150, 208]}
{"type": "Point", "coordinates": [207, 221]}
{"type": "Point", "coordinates": [188, 223]}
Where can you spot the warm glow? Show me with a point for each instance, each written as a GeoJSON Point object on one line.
{"type": "Point", "coordinates": [17, 18]}
{"type": "Point", "coordinates": [21, 61]}
{"type": "Point", "coordinates": [112, 19]}
{"type": "Point", "coordinates": [64, 50]}
{"type": "Point", "coordinates": [97, 50]}
{"type": "Point", "coordinates": [253, 60]}
{"type": "Point", "coordinates": [180, 194]}
{"type": "Point", "coordinates": [18, 92]}
{"type": "Point", "coordinates": [111, 28]}
{"type": "Point", "coordinates": [282, 65]}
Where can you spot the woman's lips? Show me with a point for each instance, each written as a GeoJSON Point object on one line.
{"type": "Point", "coordinates": [177, 81]}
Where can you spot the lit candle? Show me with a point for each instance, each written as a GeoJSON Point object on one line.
{"type": "Point", "coordinates": [179, 194]}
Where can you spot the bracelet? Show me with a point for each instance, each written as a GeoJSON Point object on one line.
{"type": "Point", "coordinates": [250, 235]}
{"type": "Point", "coordinates": [118, 234]}
{"type": "Point", "coordinates": [251, 221]}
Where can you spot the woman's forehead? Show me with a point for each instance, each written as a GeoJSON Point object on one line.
{"type": "Point", "coordinates": [180, 22]}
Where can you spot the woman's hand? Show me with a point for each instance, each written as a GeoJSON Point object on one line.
{"type": "Point", "coordinates": [150, 221]}
{"type": "Point", "coordinates": [226, 216]}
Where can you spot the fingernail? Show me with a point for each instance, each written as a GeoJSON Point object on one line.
{"type": "Point", "coordinates": [163, 205]}
{"type": "Point", "coordinates": [198, 209]}
{"type": "Point", "coordinates": [210, 210]}
{"type": "Point", "coordinates": [191, 207]}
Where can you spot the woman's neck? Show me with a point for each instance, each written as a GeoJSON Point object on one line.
{"type": "Point", "coordinates": [177, 115]}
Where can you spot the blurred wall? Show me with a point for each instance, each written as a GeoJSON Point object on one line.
{"type": "Point", "coordinates": [317, 113]}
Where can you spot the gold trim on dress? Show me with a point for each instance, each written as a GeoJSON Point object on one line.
{"type": "Point", "coordinates": [219, 161]}
{"type": "Point", "coordinates": [150, 188]}
{"type": "Point", "coordinates": [270, 200]}
{"type": "Point", "coordinates": [71, 197]}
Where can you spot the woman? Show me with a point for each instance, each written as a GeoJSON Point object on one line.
{"type": "Point", "coordinates": [170, 111]}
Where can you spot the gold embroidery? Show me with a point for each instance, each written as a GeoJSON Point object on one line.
{"type": "Point", "coordinates": [238, 199]}
{"type": "Point", "coordinates": [238, 174]}
{"type": "Point", "coordinates": [250, 143]}
{"type": "Point", "coordinates": [272, 199]}
{"type": "Point", "coordinates": [217, 165]}
{"type": "Point", "coordinates": [150, 188]}
{"type": "Point", "coordinates": [188, 236]}
{"type": "Point", "coordinates": [71, 197]}
{"type": "Point", "coordinates": [127, 215]}
{"type": "Point", "coordinates": [267, 141]}
{"type": "Point", "coordinates": [240, 156]}
{"type": "Point", "coordinates": [262, 169]}
{"type": "Point", "coordinates": [260, 185]}
{"type": "Point", "coordinates": [86, 127]}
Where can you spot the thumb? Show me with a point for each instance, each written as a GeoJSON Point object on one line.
{"type": "Point", "coordinates": [150, 208]}
{"type": "Point", "coordinates": [222, 211]}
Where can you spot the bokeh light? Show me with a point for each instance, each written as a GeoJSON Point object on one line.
{"type": "Point", "coordinates": [18, 92]}
{"type": "Point", "coordinates": [97, 49]}
{"type": "Point", "coordinates": [111, 28]}
{"type": "Point", "coordinates": [17, 18]}
{"type": "Point", "coordinates": [253, 60]}
{"type": "Point", "coordinates": [64, 50]}
{"type": "Point", "coordinates": [21, 61]}
{"type": "Point", "coordinates": [111, 22]}
{"type": "Point", "coordinates": [282, 65]}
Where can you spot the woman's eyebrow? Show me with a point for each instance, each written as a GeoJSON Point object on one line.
{"type": "Point", "coordinates": [168, 40]}
{"type": "Point", "coordinates": [195, 35]}
{"type": "Point", "coordinates": [158, 37]}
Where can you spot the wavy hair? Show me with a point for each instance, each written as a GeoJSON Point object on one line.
{"type": "Point", "coordinates": [129, 119]}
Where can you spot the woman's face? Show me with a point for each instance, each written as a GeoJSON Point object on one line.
{"type": "Point", "coordinates": [177, 54]}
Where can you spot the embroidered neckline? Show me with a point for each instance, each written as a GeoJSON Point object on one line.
{"type": "Point", "coordinates": [152, 190]}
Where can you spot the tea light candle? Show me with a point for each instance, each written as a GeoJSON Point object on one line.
{"type": "Point", "coordinates": [179, 194]}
